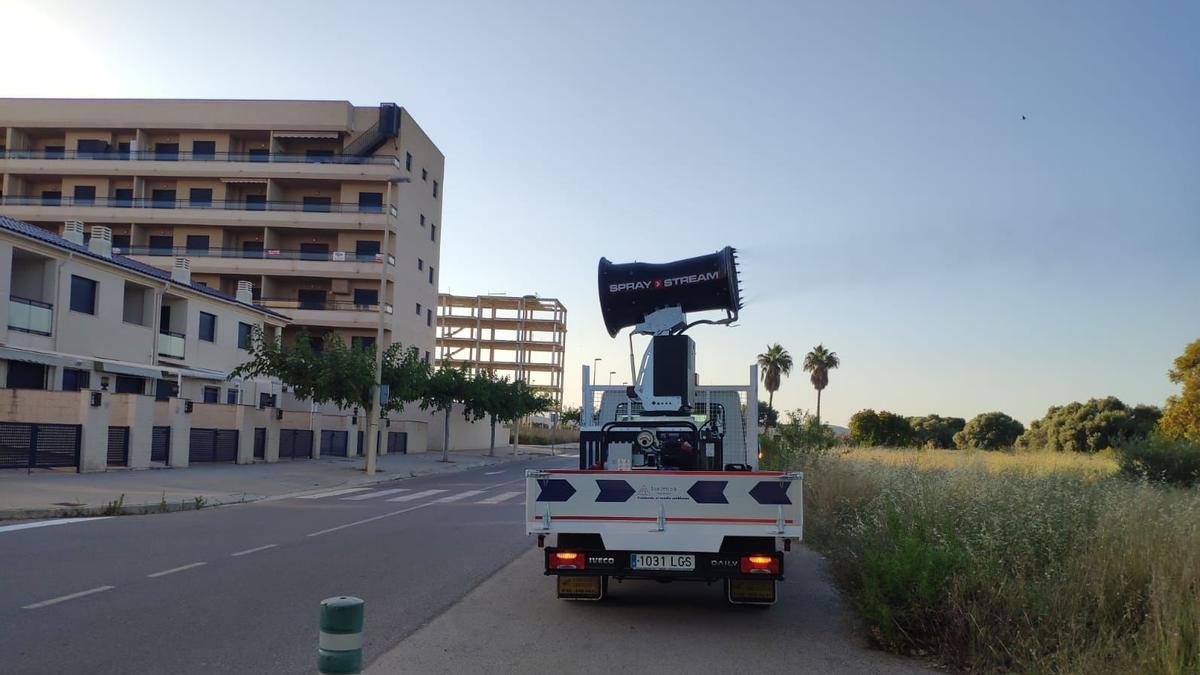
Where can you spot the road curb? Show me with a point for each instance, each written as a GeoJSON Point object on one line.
{"type": "Point", "coordinates": [205, 502]}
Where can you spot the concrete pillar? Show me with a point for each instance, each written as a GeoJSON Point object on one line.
{"type": "Point", "coordinates": [316, 429]}
{"type": "Point", "coordinates": [245, 422]}
{"type": "Point", "coordinates": [271, 454]}
{"type": "Point", "coordinates": [181, 433]}
{"type": "Point", "coordinates": [141, 430]}
{"type": "Point", "coordinates": [93, 444]}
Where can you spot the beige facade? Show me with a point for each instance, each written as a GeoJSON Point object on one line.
{"type": "Point", "coordinates": [522, 338]}
{"type": "Point", "coordinates": [291, 196]}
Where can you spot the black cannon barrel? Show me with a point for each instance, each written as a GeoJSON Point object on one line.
{"type": "Point", "coordinates": [630, 291]}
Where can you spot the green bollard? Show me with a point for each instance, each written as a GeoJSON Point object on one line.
{"type": "Point", "coordinates": [340, 648]}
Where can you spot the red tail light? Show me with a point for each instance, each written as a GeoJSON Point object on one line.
{"type": "Point", "coordinates": [567, 560]}
{"type": "Point", "coordinates": [760, 563]}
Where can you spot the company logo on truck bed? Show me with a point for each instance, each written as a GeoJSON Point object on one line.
{"type": "Point", "coordinates": [665, 282]}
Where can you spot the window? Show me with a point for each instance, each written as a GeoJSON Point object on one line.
{"type": "Point", "coordinates": [91, 148]}
{"type": "Point", "coordinates": [422, 220]}
{"type": "Point", "coordinates": [259, 154]}
{"type": "Point", "coordinates": [245, 330]}
{"type": "Point", "coordinates": [75, 379]}
{"type": "Point", "coordinates": [433, 233]}
{"type": "Point", "coordinates": [361, 342]}
{"type": "Point", "coordinates": [408, 161]}
{"type": "Point", "coordinates": [424, 174]}
{"type": "Point", "coordinates": [435, 188]}
{"type": "Point", "coordinates": [162, 199]}
{"type": "Point", "coordinates": [427, 356]}
{"type": "Point", "coordinates": [370, 202]}
{"type": "Point", "coordinates": [312, 251]}
{"type": "Point", "coordinates": [165, 389]}
{"type": "Point", "coordinates": [212, 394]}
{"type": "Point", "coordinates": [200, 197]}
{"type": "Point", "coordinates": [128, 384]}
{"type": "Point", "coordinates": [320, 204]}
{"type": "Point", "coordinates": [429, 317]}
{"type": "Point", "coordinates": [166, 152]}
{"type": "Point", "coordinates": [256, 202]}
{"type": "Point", "coordinates": [55, 151]}
{"type": "Point", "coordinates": [420, 263]}
{"type": "Point", "coordinates": [85, 195]}
{"type": "Point", "coordinates": [197, 244]}
{"type": "Point", "coordinates": [316, 343]}
{"type": "Point", "coordinates": [83, 295]}
{"type": "Point", "coordinates": [366, 249]}
{"type": "Point", "coordinates": [366, 296]}
{"type": "Point", "coordinates": [418, 309]}
{"type": "Point", "coordinates": [123, 150]}
{"type": "Point", "coordinates": [133, 309]}
{"type": "Point", "coordinates": [231, 396]}
{"type": "Point", "coordinates": [310, 299]}
{"type": "Point", "coordinates": [120, 242]}
{"type": "Point", "coordinates": [123, 197]}
{"type": "Point", "coordinates": [431, 270]}
{"type": "Point", "coordinates": [208, 327]}
{"type": "Point", "coordinates": [252, 249]}
{"type": "Point", "coordinates": [25, 375]}
{"type": "Point", "coordinates": [318, 155]}
{"type": "Point", "coordinates": [161, 244]}
{"type": "Point", "coordinates": [204, 149]}
{"type": "Point", "coordinates": [51, 197]}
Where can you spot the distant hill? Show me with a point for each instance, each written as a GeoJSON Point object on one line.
{"type": "Point", "coordinates": [840, 432]}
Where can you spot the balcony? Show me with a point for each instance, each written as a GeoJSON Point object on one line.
{"type": "Point", "coordinates": [178, 156]}
{"type": "Point", "coordinates": [30, 316]}
{"type": "Point", "coordinates": [217, 204]}
{"type": "Point", "coordinates": [268, 254]}
{"type": "Point", "coordinates": [171, 345]}
{"type": "Point", "coordinates": [324, 306]}
{"type": "Point", "coordinates": [330, 314]}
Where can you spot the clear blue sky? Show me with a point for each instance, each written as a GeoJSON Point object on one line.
{"type": "Point", "coordinates": [870, 161]}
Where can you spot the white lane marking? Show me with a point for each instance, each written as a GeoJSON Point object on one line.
{"type": "Point", "coordinates": [461, 495]}
{"type": "Point", "coordinates": [570, 456]}
{"type": "Point", "coordinates": [373, 495]}
{"type": "Point", "coordinates": [416, 495]}
{"type": "Point", "coordinates": [253, 550]}
{"type": "Point", "coordinates": [502, 497]}
{"type": "Point", "coordinates": [49, 523]}
{"type": "Point", "coordinates": [64, 598]}
{"type": "Point", "coordinates": [173, 570]}
{"type": "Point", "coordinates": [369, 520]}
{"type": "Point", "coordinates": [334, 493]}
{"type": "Point", "coordinates": [492, 473]}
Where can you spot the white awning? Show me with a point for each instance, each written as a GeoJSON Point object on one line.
{"type": "Point", "coordinates": [307, 134]}
{"type": "Point", "coordinates": [107, 365]}
{"type": "Point", "coordinates": [256, 181]}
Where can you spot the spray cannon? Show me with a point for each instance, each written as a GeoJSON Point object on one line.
{"type": "Point", "coordinates": [654, 299]}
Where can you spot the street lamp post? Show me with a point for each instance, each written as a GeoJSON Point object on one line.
{"type": "Point", "coordinates": [374, 405]}
{"type": "Point", "coordinates": [610, 374]}
{"type": "Point", "coordinates": [594, 362]}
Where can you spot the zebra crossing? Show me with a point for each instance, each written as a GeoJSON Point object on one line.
{"type": "Point", "coordinates": [435, 496]}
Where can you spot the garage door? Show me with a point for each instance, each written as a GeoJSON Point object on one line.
{"type": "Point", "coordinates": [260, 442]}
{"type": "Point", "coordinates": [333, 443]}
{"type": "Point", "coordinates": [39, 445]}
{"type": "Point", "coordinates": [213, 445]}
{"type": "Point", "coordinates": [295, 443]}
{"type": "Point", "coordinates": [397, 442]}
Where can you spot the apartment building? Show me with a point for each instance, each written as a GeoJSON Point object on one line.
{"type": "Point", "coordinates": [521, 338]}
{"type": "Point", "coordinates": [329, 212]}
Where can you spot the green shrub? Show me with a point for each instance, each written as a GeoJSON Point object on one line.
{"type": "Point", "coordinates": [873, 429]}
{"type": "Point", "coordinates": [989, 431]}
{"type": "Point", "coordinates": [1097, 425]}
{"type": "Point", "coordinates": [935, 431]}
{"type": "Point", "coordinates": [1165, 460]}
{"type": "Point", "coordinates": [799, 437]}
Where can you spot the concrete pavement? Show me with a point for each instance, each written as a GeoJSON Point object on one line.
{"type": "Point", "coordinates": [512, 623]}
{"type": "Point", "coordinates": [48, 494]}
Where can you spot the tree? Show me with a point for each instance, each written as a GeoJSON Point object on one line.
{"type": "Point", "coordinates": [819, 361]}
{"type": "Point", "coordinates": [767, 416]}
{"type": "Point", "coordinates": [799, 437]}
{"type": "Point", "coordinates": [775, 362]}
{"type": "Point", "coordinates": [446, 386]}
{"type": "Point", "coordinates": [571, 417]}
{"type": "Point", "coordinates": [488, 397]}
{"type": "Point", "coordinates": [1096, 425]}
{"type": "Point", "coordinates": [522, 401]}
{"type": "Point", "coordinates": [883, 428]}
{"type": "Point", "coordinates": [989, 431]}
{"type": "Point", "coordinates": [1181, 416]}
{"type": "Point", "coordinates": [935, 431]}
{"type": "Point", "coordinates": [337, 374]}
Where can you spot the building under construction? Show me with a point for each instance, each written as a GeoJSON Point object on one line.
{"type": "Point", "coordinates": [522, 338]}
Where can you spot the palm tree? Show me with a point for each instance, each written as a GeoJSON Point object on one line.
{"type": "Point", "coordinates": [776, 361]}
{"type": "Point", "coordinates": [819, 362]}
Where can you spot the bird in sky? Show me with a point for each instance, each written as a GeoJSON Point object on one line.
{"type": "Point", "coordinates": [1022, 117]}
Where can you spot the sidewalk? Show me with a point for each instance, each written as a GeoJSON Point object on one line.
{"type": "Point", "coordinates": [50, 494]}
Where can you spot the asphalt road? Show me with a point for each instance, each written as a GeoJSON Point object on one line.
{"type": "Point", "coordinates": [237, 589]}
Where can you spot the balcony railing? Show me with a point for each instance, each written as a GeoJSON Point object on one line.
{"type": "Point", "coordinates": [183, 156]}
{"type": "Point", "coordinates": [171, 344]}
{"type": "Point", "coordinates": [325, 305]}
{"type": "Point", "coordinates": [30, 316]}
{"type": "Point", "coordinates": [267, 254]}
{"type": "Point", "coordinates": [210, 204]}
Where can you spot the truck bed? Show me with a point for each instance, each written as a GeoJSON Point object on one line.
{"type": "Point", "coordinates": [685, 511]}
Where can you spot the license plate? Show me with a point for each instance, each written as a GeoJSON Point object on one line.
{"type": "Point", "coordinates": [580, 588]}
{"type": "Point", "coordinates": [665, 562]}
